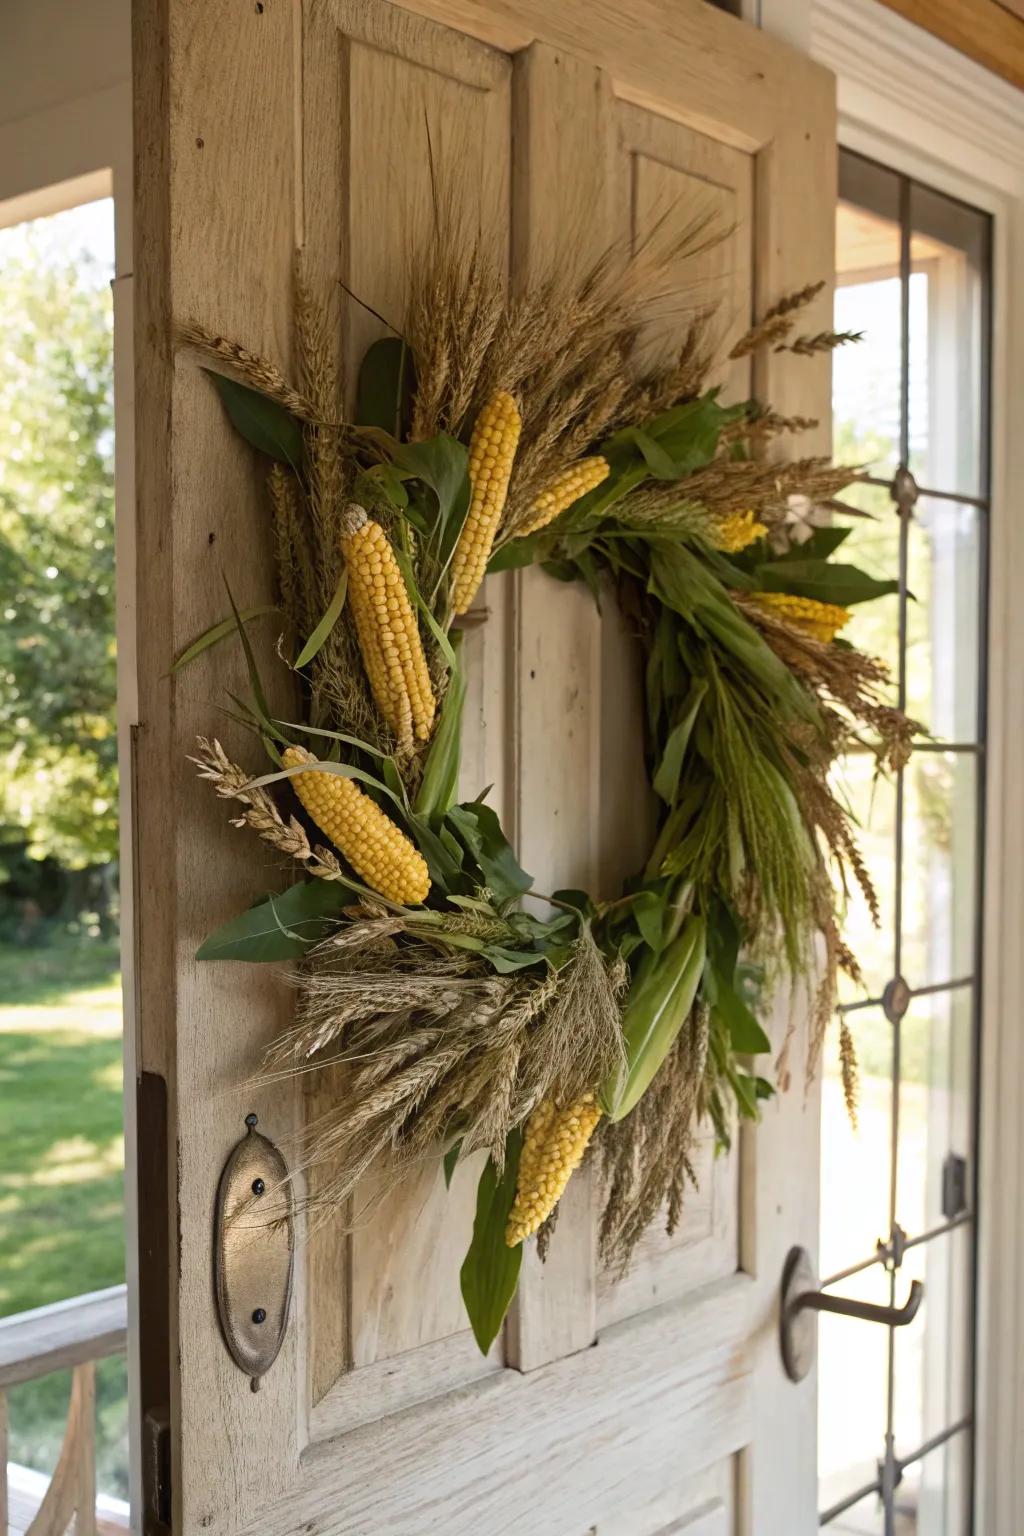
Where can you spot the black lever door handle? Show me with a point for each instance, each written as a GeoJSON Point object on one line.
{"type": "Point", "coordinates": [867, 1311]}
{"type": "Point", "coordinates": [801, 1298]}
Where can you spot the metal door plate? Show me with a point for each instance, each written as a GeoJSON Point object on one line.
{"type": "Point", "coordinates": [253, 1253]}
{"type": "Point", "coordinates": [798, 1329]}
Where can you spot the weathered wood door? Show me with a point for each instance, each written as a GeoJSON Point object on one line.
{"type": "Point", "coordinates": [650, 1403]}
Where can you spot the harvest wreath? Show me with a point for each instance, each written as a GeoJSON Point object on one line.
{"type": "Point", "coordinates": [492, 432]}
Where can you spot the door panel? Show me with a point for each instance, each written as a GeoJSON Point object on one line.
{"type": "Point", "coordinates": [563, 130]}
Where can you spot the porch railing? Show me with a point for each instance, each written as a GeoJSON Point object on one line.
{"type": "Point", "coordinates": [69, 1335]}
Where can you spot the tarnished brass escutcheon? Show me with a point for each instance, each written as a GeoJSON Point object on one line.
{"type": "Point", "coordinates": [253, 1253]}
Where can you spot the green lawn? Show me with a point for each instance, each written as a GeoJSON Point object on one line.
{"type": "Point", "coordinates": [61, 1161]}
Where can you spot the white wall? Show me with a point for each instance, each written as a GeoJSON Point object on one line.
{"type": "Point", "coordinates": [55, 50]}
{"type": "Point", "coordinates": [65, 103]}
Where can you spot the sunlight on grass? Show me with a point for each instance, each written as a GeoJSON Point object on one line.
{"type": "Point", "coordinates": [61, 1169]}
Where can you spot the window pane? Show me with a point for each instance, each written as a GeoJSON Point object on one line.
{"type": "Point", "coordinates": [866, 377]}
{"type": "Point", "coordinates": [873, 544]}
{"type": "Point", "coordinates": [932, 1356]}
{"type": "Point", "coordinates": [866, 1518]}
{"type": "Point", "coordinates": [855, 1160]}
{"type": "Point", "coordinates": [944, 618]}
{"type": "Point", "coordinates": [936, 1093]}
{"type": "Point", "coordinates": [932, 1499]}
{"type": "Point", "coordinates": [852, 1386]}
{"type": "Point", "coordinates": [948, 344]}
{"type": "Point", "coordinates": [872, 804]}
{"type": "Point", "coordinates": [939, 876]}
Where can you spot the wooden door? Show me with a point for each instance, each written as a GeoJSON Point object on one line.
{"type": "Point", "coordinates": [649, 1403]}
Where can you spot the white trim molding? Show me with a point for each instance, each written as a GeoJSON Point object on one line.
{"type": "Point", "coordinates": [916, 104]}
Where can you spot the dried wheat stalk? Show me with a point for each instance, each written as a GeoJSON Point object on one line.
{"type": "Point", "coordinates": [258, 372]}
{"type": "Point", "coordinates": [261, 814]}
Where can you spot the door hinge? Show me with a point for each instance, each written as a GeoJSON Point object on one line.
{"type": "Point", "coordinates": [156, 1471]}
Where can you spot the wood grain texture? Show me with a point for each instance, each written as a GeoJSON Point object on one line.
{"type": "Point", "coordinates": [257, 128]}
{"type": "Point", "coordinates": [562, 203]}
{"type": "Point", "coordinates": [989, 31]}
{"type": "Point", "coordinates": [682, 59]}
{"type": "Point", "coordinates": [215, 102]}
{"type": "Point", "coordinates": [372, 1392]}
{"type": "Point", "coordinates": [549, 1450]}
{"type": "Point", "coordinates": [62, 1335]}
{"type": "Point", "coordinates": [671, 178]}
{"type": "Point", "coordinates": [71, 1493]}
{"type": "Point", "coordinates": [448, 101]}
{"type": "Point", "coordinates": [701, 1504]}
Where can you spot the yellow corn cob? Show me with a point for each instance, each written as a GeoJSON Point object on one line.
{"type": "Point", "coordinates": [553, 1149]}
{"type": "Point", "coordinates": [565, 488]}
{"type": "Point", "coordinates": [389, 636]}
{"type": "Point", "coordinates": [737, 531]}
{"type": "Point", "coordinates": [821, 621]}
{"type": "Point", "coordinates": [492, 449]}
{"type": "Point", "coordinates": [377, 850]}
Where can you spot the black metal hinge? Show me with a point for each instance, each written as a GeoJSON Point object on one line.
{"type": "Point", "coordinates": [156, 1472]}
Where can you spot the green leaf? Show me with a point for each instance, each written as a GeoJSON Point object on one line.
{"type": "Point", "coordinates": [440, 782]}
{"type": "Point", "coordinates": [658, 460]}
{"type": "Point", "coordinates": [518, 553]}
{"type": "Point", "coordinates": [451, 1157]}
{"type": "Point", "coordinates": [384, 481]}
{"type": "Point", "coordinates": [218, 632]}
{"type": "Point", "coordinates": [480, 830]}
{"type": "Point", "coordinates": [746, 1035]}
{"type": "Point", "coordinates": [666, 777]}
{"type": "Point", "coordinates": [648, 911]}
{"type": "Point", "coordinates": [261, 707]}
{"type": "Point", "coordinates": [280, 928]}
{"type": "Point", "coordinates": [326, 624]}
{"type": "Point", "coordinates": [385, 387]}
{"type": "Point", "coordinates": [490, 1270]}
{"type": "Point", "coordinates": [442, 463]}
{"type": "Point", "coordinates": [444, 862]}
{"type": "Point", "coordinates": [335, 736]}
{"type": "Point", "coordinates": [506, 961]}
{"type": "Point", "coordinates": [261, 421]}
{"type": "Point", "coordinates": [657, 1007]}
{"type": "Point", "coordinates": [823, 581]}
{"type": "Point", "coordinates": [343, 770]}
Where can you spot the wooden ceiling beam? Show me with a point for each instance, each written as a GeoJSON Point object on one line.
{"type": "Point", "coordinates": [989, 31]}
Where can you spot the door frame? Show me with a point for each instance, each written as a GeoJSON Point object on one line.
{"type": "Point", "coordinates": [912, 102]}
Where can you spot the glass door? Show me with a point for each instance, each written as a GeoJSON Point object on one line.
{"type": "Point", "coordinates": [898, 1188]}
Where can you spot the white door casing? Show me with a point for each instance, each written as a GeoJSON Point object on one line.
{"type": "Point", "coordinates": [911, 102]}
{"type": "Point", "coordinates": [629, 1407]}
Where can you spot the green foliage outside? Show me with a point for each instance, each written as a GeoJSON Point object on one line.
{"type": "Point", "coordinates": [58, 739]}
{"type": "Point", "coordinates": [61, 1142]}
{"type": "Point", "coordinates": [61, 1160]}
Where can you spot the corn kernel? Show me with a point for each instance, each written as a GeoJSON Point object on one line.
{"type": "Point", "coordinates": [377, 850]}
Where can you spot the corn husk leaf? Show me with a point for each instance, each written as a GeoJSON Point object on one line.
{"type": "Point", "coordinates": [490, 1270]}
{"type": "Point", "coordinates": [319, 636]}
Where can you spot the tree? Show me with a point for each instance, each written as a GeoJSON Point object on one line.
{"type": "Point", "coordinates": [58, 739]}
